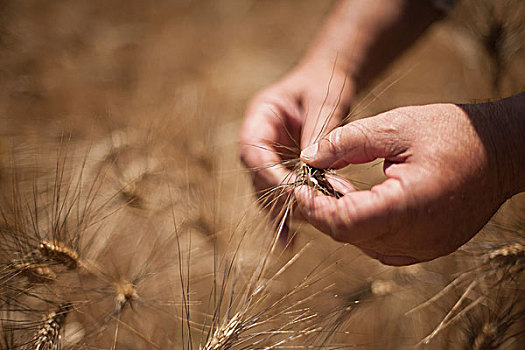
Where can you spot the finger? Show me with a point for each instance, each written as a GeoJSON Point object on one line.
{"type": "Point", "coordinates": [391, 260]}
{"type": "Point", "coordinates": [265, 167]}
{"type": "Point", "coordinates": [262, 130]}
{"type": "Point", "coordinates": [318, 122]}
{"type": "Point", "coordinates": [357, 142]}
{"type": "Point", "coordinates": [356, 217]}
{"type": "Point", "coordinates": [268, 176]}
{"type": "Point", "coordinates": [340, 184]}
{"type": "Point", "coordinates": [273, 115]}
{"type": "Point", "coordinates": [324, 108]}
{"type": "Point", "coordinates": [317, 209]}
{"type": "Point", "coordinates": [264, 164]}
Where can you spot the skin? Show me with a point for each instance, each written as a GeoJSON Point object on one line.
{"type": "Point", "coordinates": [448, 167]}
{"type": "Point", "coordinates": [357, 40]}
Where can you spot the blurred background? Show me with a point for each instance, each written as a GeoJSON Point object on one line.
{"type": "Point", "coordinates": [76, 61]}
{"type": "Point", "coordinates": [77, 66]}
{"type": "Point", "coordinates": [81, 70]}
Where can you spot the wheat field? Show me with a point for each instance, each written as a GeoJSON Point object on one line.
{"type": "Point", "coordinates": [127, 221]}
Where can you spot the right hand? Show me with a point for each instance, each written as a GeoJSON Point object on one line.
{"type": "Point", "coordinates": [448, 169]}
{"type": "Point", "coordinates": [289, 116]}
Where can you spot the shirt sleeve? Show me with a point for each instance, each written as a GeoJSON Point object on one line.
{"type": "Point", "coordinates": [444, 5]}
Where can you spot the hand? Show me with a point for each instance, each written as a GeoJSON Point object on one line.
{"type": "Point", "coordinates": [289, 115]}
{"type": "Point", "coordinates": [448, 171]}
{"type": "Point", "coordinates": [357, 40]}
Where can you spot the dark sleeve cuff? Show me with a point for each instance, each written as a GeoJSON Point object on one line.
{"type": "Point", "coordinates": [444, 5]}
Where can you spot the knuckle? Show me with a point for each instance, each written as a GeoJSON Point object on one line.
{"type": "Point", "coordinates": [385, 123]}
{"type": "Point", "coordinates": [266, 97]}
{"type": "Point", "coordinates": [246, 157]}
{"type": "Point", "coordinates": [331, 143]}
{"type": "Point", "coordinates": [363, 132]}
{"type": "Point", "coordinates": [338, 226]}
{"type": "Point", "coordinates": [261, 97]}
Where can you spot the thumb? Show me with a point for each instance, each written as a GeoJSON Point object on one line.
{"type": "Point", "coordinates": [358, 142]}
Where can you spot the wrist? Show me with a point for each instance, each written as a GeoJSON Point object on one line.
{"type": "Point", "coordinates": [361, 37]}
{"type": "Point", "coordinates": [327, 71]}
{"type": "Point", "coordinates": [328, 58]}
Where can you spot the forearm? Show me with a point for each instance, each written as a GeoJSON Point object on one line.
{"type": "Point", "coordinates": [363, 36]}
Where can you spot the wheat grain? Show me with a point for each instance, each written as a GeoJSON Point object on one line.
{"type": "Point", "coordinates": [226, 335]}
{"type": "Point", "coordinates": [316, 178]}
{"type": "Point", "coordinates": [31, 267]}
{"type": "Point", "coordinates": [125, 294]}
{"type": "Point", "coordinates": [49, 335]}
{"type": "Point", "coordinates": [60, 253]}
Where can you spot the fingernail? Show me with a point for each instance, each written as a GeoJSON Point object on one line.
{"type": "Point", "coordinates": [310, 152]}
